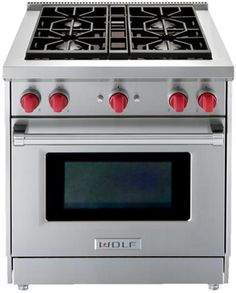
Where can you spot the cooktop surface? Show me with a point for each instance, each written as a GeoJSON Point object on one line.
{"type": "Point", "coordinates": [118, 32]}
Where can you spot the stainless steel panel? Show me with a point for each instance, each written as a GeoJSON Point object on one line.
{"type": "Point", "coordinates": [153, 97]}
{"type": "Point", "coordinates": [8, 181]}
{"type": "Point", "coordinates": [202, 235]}
{"type": "Point", "coordinates": [117, 270]}
{"type": "Point", "coordinates": [112, 125]}
{"type": "Point", "coordinates": [228, 183]}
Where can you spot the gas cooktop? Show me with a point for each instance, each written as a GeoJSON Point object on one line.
{"type": "Point", "coordinates": [118, 32]}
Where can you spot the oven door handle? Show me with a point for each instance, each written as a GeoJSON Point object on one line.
{"type": "Point", "coordinates": [21, 138]}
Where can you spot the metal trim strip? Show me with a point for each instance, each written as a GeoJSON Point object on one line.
{"type": "Point", "coordinates": [38, 5]}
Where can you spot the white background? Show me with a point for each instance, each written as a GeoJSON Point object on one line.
{"type": "Point", "coordinates": [11, 14]}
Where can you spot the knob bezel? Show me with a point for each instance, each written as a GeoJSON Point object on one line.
{"type": "Point", "coordinates": [116, 91]}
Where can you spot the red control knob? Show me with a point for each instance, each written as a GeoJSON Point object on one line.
{"type": "Point", "coordinates": [118, 102]}
{"type": "Point", "coordinates": [207, 101]}
{"type": "Point", "coordinates": [29, 102]}
{"type": "Point", "coordinates": [178, 101]}
{"type": "Point", "coordinates": [58, 102]}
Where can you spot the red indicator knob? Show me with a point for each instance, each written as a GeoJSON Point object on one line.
{"type": "Point", "coordinates": [29, 102]}
{"type": "Point", "coordinates": [178, 101]}
{"type": "Point", "coordinates": [58, 102]}
{"type": "Point", "coordinates": [118, 102]}
{"type": "Point", "coordinates": [207, 101]}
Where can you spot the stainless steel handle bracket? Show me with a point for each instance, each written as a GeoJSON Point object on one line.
{"type": "Point", "coordinates": [19, 134]}
{"type": "Point", "coordinates": [216, 126]}
{"type": "Point", "coordinates": [217, 129]}
{"type": "Point", "coordinates": [217, 139]}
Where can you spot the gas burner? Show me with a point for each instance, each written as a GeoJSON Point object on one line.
{"type": "Point", "coordinates": [118, 32]}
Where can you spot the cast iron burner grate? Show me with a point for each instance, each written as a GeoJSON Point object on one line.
{"type": "Point", "coordinates": [70, 33]}
{"type": "Point", "coordinates": [118, 32]}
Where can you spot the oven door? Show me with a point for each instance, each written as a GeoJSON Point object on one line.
{"type": "Point", "coordinates": [100, 187]}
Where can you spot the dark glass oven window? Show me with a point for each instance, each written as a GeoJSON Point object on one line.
{"type": "Point", "coordinates": [117, 186]}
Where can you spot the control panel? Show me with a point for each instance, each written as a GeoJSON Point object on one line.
{"type": "Point", "coordinates": [108, 98]}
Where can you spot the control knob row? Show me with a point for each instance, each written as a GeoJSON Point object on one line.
{"type": "Point", "coordinates": [118, 101]}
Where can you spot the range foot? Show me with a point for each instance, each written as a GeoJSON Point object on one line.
{"type": "Point", "coordinates": [213, 286]}
{"type": "Point", "coordinates": [23, 287]}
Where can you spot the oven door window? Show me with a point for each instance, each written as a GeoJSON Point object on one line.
{"type": "Point", "coordinates": [117, 186]}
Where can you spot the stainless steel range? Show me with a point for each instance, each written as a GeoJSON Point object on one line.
{"type": "Point", "coordinates": [118, 139]}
